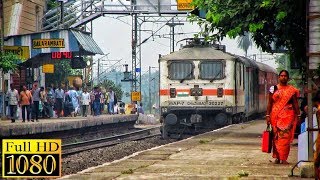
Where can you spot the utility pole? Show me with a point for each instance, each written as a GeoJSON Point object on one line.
{"type": "Point", "coordinates": [149, 81]}
{"type": "Point", "coordinates": [150, 107]}
{"type": "Point", "coordinates": [1, 56]}
{"type": "Point", "coordinates": [98, 71]}
{"type": "Point", "coordinates": [172, 25]}
{"type": "Point", "coordinates": [313, 53]}
{"type": "Point", "coordinates": [134, 39]}
{"type": "Point", "coordinates": [61, 14]}
{"type": "Point", "coordinates": [172, 35]}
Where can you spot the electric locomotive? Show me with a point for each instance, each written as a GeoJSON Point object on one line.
{"type": "Point", "coordinates": [202, 86]}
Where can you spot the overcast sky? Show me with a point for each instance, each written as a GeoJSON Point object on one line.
{"type": "Point", "coordinates": [114, 37]}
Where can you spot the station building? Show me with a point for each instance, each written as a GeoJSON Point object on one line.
{"type": "Point", "coordinates": [38, 50]}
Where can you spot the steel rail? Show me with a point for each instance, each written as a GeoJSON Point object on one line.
{"type": "Point", "coordinates": [74, 148]}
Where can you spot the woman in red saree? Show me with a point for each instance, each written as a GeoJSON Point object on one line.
{"type": "Point", "coordinates": [282, 113]}
{"type": "Point", "coordinates": [316, 101]}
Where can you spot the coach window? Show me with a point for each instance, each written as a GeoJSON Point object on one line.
{"type": "Point", "coordinates": [211, 70]}
{"type": "Point", "coordinates": [181, 70]}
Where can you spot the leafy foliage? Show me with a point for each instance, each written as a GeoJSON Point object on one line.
{"type": "Point", "coordinates": [244, 42]}
{"type": "Point", "coordinates": [282, 23]}
{"type": "Point", "coordinates": [51, 4]}
{"type": "Point", "coordinates": [9, 62]}
{"type": "Point", "coordinates": [116, 88]}
{"type": "Point", "coordinates": [295, 76]}
{"type": "Point", "coordinates": [62, 70]}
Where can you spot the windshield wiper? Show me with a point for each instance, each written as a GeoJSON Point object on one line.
{"type": "Point", "coordinates": [181, 81]}
{"type": "Point", "coordinates": [214, 78]}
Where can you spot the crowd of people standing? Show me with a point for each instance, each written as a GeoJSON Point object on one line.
{"type": "Point", "coordinates": [58, 102]}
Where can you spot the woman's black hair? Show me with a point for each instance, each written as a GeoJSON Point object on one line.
{"type": "Point", "coordinates": [316, 98]}
{"type": "Point", "coordinates": [285, 72]}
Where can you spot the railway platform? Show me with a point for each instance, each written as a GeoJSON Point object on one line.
{"type": "Point", "coordinates": [19, 128]}
{"type": "Point", "coordinates": [231, 152]}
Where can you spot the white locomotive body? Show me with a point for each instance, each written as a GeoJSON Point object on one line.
{"type": "Point", "coordinates": [202, 86]}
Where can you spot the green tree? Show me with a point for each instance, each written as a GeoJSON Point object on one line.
{"type": "Point", "coordinates": [9, 62]}
{"type": "Point", "coordinates": [116, 88]}
{"type": "Point", "coordinates": [244, 42]}
{"type": "Point", "coordinates": [62, 70]}
{"type": "Point", "coordinates": [281, 23]}
{"type": "Point", "coordinates": [51, 4]}
{"type": "Point", "coordinates": [295, 75]}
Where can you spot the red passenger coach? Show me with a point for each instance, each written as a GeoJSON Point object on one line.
{"type": "Point", "coordinates": [267, 77]}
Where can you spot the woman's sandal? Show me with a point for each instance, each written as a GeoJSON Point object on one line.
{"type": "Point", "coordinates": [284, 162]}
{"type": "Point", "coordinates": [277, 161]}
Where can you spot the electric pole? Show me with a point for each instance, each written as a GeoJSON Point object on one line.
{"type": "Point", "coordinates": [172, 25]}
{"type": "Point", "coordinates": [98, 71]}
{"type": "Point", "coordinates": [149, 81]}
{"type": "Point", "coordinates": [150, 107]}
{"type": "Point", "coordinates": [1, 56]}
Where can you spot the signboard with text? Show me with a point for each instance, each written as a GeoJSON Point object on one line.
{"type": "Point", "coordinates": [48, 68]}
{"type": "Point", "coordinates": [184, 5]}
{"type": "Point", "coordinates": [135, 96]}
{"type": "Point", "coordinates": [21, 51]}
{"type": "Point", "coordinates": [47, 43]}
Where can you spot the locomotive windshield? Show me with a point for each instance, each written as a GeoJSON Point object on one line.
{"type": "Point", "coordinates": [180, 70]}
{"type": "Point", "coordinates": [211, 70]}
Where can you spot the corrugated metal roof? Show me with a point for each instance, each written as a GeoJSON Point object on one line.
{"type": "Point", "coordinates": [87, 43]}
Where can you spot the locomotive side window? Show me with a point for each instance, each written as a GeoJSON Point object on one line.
{"type": "Point", "coordinates": [181, 70]}
{"type": "Point", "coordinates": [211, 70]}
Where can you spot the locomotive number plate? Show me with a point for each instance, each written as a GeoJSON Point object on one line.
{"type": "Point", "coordinates": [195, 103]}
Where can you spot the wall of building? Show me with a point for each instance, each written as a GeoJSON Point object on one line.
{"type": "Point", "coordinates": [23, 16]}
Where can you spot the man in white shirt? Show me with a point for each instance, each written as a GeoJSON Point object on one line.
{"type": "Point", "coordinates": [85, 101]}
{"type": "Point", "coordinates": [13, 99]}
{"type": "Point", "coordinates": [59, 98]}
{"type": "Point", "coordinates": [111, 97]}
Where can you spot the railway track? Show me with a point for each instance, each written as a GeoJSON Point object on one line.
{"type": "Point", "coordinates": [74, 148]}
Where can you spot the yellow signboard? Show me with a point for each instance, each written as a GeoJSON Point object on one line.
{"type": "Point", "coordinates": [47, 43]}
{"type": "Point", "coordinates": [184, 5]}
{"type": "Point", "coordinates": [48, 68]}
{"type": "Point", "coordinates": [135, 96]}
{"type": "Point", "coordinates": [21, 51]}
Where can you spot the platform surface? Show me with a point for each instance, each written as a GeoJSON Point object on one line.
{"type": "Point", "coordinates": [228, 153]}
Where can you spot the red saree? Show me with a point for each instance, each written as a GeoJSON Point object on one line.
{"type": "Point", "coordinates": [317, 151]}
{"type": "Point", "coordinates": [283, 121]}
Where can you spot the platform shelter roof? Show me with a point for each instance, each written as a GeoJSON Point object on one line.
{"type": "Point", "coordinates": [40, 45]}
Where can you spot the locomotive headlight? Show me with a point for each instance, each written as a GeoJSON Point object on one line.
{"type": "Point", "coordinates": [220, 92]}
{"type": "Point", "coordinates": [173, 92]}
{"type": "Point", "coordinates": [229, 109]}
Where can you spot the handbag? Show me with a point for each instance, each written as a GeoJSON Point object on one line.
{"type": "Point", "coordinates": [266, 144]}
